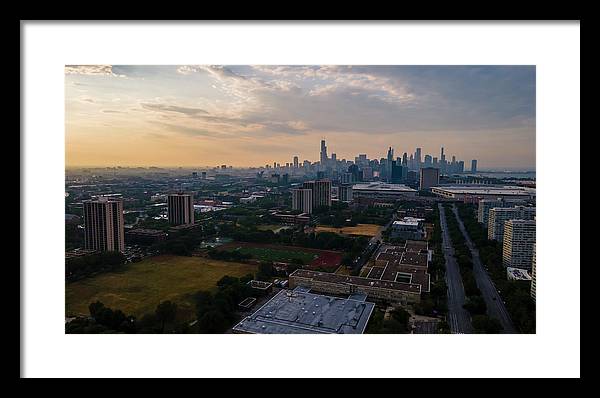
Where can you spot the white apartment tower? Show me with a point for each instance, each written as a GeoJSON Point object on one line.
{"type": "Point", "coordinates": [499, 215]}
{"type": "Point", "coordinates": [517, 245]}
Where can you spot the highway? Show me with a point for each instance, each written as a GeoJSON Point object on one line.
{"type": "Point", "coordinates": [458, 318]}
{"type": "Point", "coordinates": [493, 301]}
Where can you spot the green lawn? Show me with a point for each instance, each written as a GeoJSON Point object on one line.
{"type": "Point", "coordinates": [278, 255]}
{"type": "Point", "coordinates": [141, 286]}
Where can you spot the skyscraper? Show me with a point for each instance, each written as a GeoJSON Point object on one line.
{"type": "Point", "coordinates": [180, 209]}
{"type": "Point", "coordinates": [295, 162]}
{"type": "Point", "coordinates": [302, 200]}
{"type": "Point", "coordinates": [427, 162]}
{"type": "Point", "coordinates": [418, 158]}
{"type": "Point", "coordinates": [323, 153]}
{"type": "Point", "coordinates": [429, 177]}
{"type": "Point", "coordinates": [104, 225]}
{"type": "Point", "coordinates": [474, 166]}
{"type": "Point", "coordinates": [396, 172]}
{"type": "Point", "coordinates": [405, 159]}
{"type": "Point", "coordinates": [389, 164]}
{"type": "Point", "coordinates": [442, 162]}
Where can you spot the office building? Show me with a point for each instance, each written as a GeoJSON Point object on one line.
{"type": "Point", "coordinates": [295, 162]}
{"type": "Point", "coordinates": [427, 162]}
{"type": "Point", "coordinates": [499, 215]}
{"type": "Point", "coordinates": [180, 209]}
{"type": "Point", "coordinates": [345, 193]}
{"type": "Point", "coordinates": [474, 166]}
{"type": "Point", "coordinates": [517, 244]}
{"type": "Point", "coordinates": [418, 158]}
{"type": "Point", "coordinates": [533, 274]}
{"type": "Point", "coordinates": [104, 225]}
{"type": "Point", "coordinates": [396, 173]}
{"type": "Point", "coordinates": [302, 200]}
{"type": "Point", "coordinates": [429, 177]}
{"type": "Point", "coordinates": [321, 192]}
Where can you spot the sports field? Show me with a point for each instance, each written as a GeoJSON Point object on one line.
{"type": "Point", "coordinates": [277, 255]}
{"type": "Point", "coordinates": [359, 229]}
{"type": "Point", "coordinates": [326, 260]}
{"type": "Point", "coordinates": [141, 286]}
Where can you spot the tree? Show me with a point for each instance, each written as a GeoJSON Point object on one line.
{"type": "Point", "coordinates": [212, 322]}
{"type": "Point", "coordinates": [165, 313]}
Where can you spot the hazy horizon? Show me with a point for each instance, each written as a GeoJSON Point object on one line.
{"type": "Point", "coordinates": [250, 116]}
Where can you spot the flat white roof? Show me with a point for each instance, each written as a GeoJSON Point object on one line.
{"type": "Point", "coordinates": [381, 186]}
{"type": "Point", "coordinates": [486, 189]}
{"type": "Point", "coordinates": [412, 221]}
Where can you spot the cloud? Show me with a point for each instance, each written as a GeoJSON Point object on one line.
{"type": "Point", "coordinates": [174, 108]}
{"type": "Point", "coordinates": [92, 70]}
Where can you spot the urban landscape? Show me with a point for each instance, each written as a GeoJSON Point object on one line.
{"type": "Point", "coordinates": [406, 244]}
{"type": "Point", "coordinates": [271, 230]}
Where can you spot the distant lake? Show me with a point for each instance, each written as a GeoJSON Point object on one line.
{"type": "Point", "coordinates": [508, 174]}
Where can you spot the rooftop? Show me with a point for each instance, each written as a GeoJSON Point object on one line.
{"type": "Point", "coordinates": [301, 312]}
{"type": "Point", "coordinates": [357, 280]}
{"type": "Point", "coordinates": [381, 186]}
{"type": "Point", "coordinates": [486, 189]}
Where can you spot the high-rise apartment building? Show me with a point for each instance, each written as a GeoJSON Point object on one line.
{"type": "Point", "coordinates": [321, 192]}
{"type": "Point", "coordinates": [180, 207]}
{"type": "Point", "coordinates": [517, 244]}
{"type": "Point", "coordinates": [104, 225]}
{"type": "Point", "coordinates": [533, 274]}
{"type": "Point", "coordinates": [302, 199]}
{"type": "Point", "coordinates": [485, 205]}
{"type": "Point", "coordinates": [429, 177]}
{"type": "Point", "coordinates": [498, 217]}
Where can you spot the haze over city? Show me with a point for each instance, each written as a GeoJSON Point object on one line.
{"type": "Point", "coordinates": [249, 116]}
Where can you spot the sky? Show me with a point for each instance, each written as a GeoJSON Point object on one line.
{"type": "Point", "coordinates": [203, 115]}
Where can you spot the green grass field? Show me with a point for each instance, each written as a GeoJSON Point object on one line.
{"type": "Point", "coordinates": [141, 286]}
{"type": "Point", "coordinates": [278, 255]}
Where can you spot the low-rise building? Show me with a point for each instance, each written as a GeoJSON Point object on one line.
{"type": "Point", "coordinates": [408, 228]}
{"type": "Point", "coordinates": [476, 192]}
{"type": "Point", "coordinates": [302, 312]}
{"type": "Point", "coordinates": [382, 191]}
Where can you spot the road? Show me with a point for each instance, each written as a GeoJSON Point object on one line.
{"type": "Point", "coordinates": [493, 301]}
{"type": "Point", "coordinates": [458, 318]}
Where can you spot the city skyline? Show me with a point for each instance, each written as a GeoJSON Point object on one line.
{"type": "Point", "coordinates": [250, 116]}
